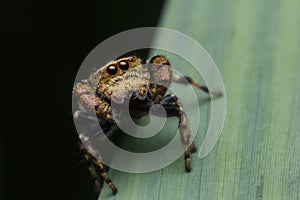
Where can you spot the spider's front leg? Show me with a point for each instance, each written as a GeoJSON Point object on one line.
{"type": "Point", "coordinates": [96, 166]}
{"type": "Point", "coordinates": [173, 107]}
{"type": "Point", "coordinates": [88, 104]}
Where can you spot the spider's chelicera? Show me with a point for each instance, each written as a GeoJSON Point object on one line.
{"type": "Point", "coordinates": [142, 86]}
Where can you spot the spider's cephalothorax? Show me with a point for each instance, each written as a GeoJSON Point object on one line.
{"type": "Point", "coordinates": [141, 85]}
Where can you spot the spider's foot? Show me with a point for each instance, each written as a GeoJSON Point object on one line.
{"type": "Point", "coordinates": [113, 188]}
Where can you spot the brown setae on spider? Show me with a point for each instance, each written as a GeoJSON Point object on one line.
{"type": "Point", "coordinates": [142, 85]}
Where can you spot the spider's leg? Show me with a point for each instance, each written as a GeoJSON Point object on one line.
{"type": "Point", "coordinates": [92, 169]}
{"type": "Point", "coordinates": [104, 175]}
{"type": "Point", "coordinates": [170, 98]}
{"type": "Point", "coordinates": [173, 107]}
{"type": "Point", "coordinates": [94, 166]}
{"type": "Point", "coordinates": [188, 80]}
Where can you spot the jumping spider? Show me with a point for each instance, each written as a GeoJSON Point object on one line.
{"type": "Point", "coordinates": [143, 85]}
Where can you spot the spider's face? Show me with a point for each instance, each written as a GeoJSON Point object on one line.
{"type": "Point", "coordinates": [128, 77]}
{"type": "Point", "coordinates": [123, 78]}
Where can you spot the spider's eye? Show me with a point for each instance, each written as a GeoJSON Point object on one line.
{"type": "Point", "coordinates": [124, 65]}
{"type": "Point", "coordinates": [130, 59]}
{"type": "Point", "coordinates": [112, 70]}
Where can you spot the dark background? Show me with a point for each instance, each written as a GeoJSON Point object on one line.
{"type": "Point", "coordinates": [43, 44]}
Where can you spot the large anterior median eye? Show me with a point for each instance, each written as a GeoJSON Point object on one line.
{"type": "Point", "coordinates": [123, 65]}
{"type": "Point", "coordinates": [112, 70]}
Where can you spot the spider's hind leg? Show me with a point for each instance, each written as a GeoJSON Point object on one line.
{"type": "Point", "coordinates": [188, 80]}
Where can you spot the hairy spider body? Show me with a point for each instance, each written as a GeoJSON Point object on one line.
{"type": "Point", "coordinates": [141, 85]}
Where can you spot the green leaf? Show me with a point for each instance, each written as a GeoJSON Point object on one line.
{"type": "Point", "coordinates": [256, 45]}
